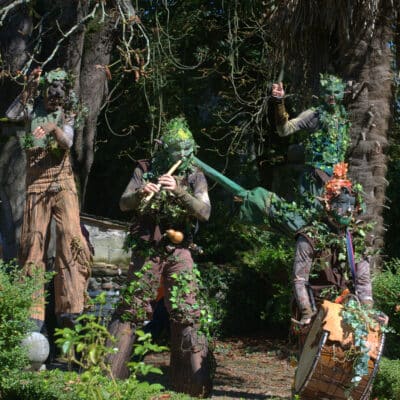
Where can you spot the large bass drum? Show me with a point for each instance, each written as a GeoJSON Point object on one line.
{"type": "Point", "coordinates": [325, 369]}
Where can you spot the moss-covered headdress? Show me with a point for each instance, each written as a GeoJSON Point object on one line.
{"type": "Point", "coordinates": [177, 143]}
{"type": "Point", "coordinates": [331, 85]}
{"type": "Point", "coordinates": [56, 84]}
{"type": "Point", "coordinates": [178, 138]}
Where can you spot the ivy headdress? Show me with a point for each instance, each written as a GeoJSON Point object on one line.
{"type": "Point", "coordinates": [177, 143]}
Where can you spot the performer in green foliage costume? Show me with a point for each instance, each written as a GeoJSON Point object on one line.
{"type": "Point", "coordinates": [328, 128]}
{"type": "Point", "coordinates": [324, 220]}
{"type": "Point", "coordinates": [326, 244]}
{"type": "Point", "coordinates": [166, 208]}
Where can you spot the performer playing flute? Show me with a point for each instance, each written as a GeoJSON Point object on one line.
{"type": "Point", "coordinates": [166, 207]}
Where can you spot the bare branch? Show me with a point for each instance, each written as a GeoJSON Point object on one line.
{"type": "Point", "coordinates": [69, 33]}
{"type": "Point", "coordinates": [5, 10]}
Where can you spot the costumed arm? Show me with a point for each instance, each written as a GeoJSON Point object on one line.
{"type": "Point", "coordinates": [199, 203]}
{"type": "Point", "coordinates": [363, 282]}
{"type": "Point", "coordinates": [259, 206]}
{"type": "Point", "coordinates": [133, 194]}
{"type": "Point", "coordinates": [307, 120]}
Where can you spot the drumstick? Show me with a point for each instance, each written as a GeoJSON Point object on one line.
{"type": "Point", "coordinates": [169, 172]}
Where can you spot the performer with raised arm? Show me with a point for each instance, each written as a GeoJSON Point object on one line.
{"type": "Point", "coordinates": [328, 128]}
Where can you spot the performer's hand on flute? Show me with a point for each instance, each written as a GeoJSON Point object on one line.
{"type": "Point", "coordinates": [166, 181]}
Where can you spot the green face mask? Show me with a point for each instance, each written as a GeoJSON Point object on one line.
{"type": "Point", "coordinates": [342, 207]}
{"type": "Point", "coordinates": [177, 141]}
{"type": "Point", "coordinates": [332, 90]}
{"type": "Point", "coordinates": [54, 88]}
{"type": "Point", "coordinates": [179, 151]}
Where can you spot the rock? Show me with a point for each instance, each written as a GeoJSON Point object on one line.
{"type": "Point", "coordinates": [38, 349]}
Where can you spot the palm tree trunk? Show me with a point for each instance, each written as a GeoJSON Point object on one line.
{"type": "Point", "coordinates": [370, 114]}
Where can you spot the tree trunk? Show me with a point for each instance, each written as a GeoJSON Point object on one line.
{"type": "Point", "coordinates": [14, 44]}
{"type": "Point", "coordinates": [370, 113]}
{"type": "Point", "coordinates": [78, 53]}
{"type": "Point", "coordinates": [93, 89]}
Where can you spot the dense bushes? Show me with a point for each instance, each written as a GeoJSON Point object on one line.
{"type": "Point", "coordinates": [386, 285]}
{"type": "Point", "coordinates": [387, 382]}
{"type": "Point", "coordinates": [15, 300]}
{"type": "Point", "coordinates": [87, 339]}
{"type": "Point", "coordinates": [246, 275]}
{"type": "Point", "coordinates": [61, 385]}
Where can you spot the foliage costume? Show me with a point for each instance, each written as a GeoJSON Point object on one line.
{"type": "Point", "coordinates": [157, 258]}
{"type": "Point", "coordinates": [51, 193]}
{"type": "Point", "coordinates": [327, 244]}
{"type": "Point", "coordinates": [326, 237]}
{"type": "Point", "coordinates": [325, 147]}
{"type": "Point", "coordinates": [328, 129]}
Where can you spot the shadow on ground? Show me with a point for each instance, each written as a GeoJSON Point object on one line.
{"type": "Point", "coordinates": [247, 368]}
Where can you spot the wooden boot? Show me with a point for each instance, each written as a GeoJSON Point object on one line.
{"type": "Point", "coordinates": [124, 333]}
{"type": "Point", "coordinates": [190, 370]}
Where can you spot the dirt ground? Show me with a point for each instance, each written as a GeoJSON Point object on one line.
{"type": "Point", "coordinates": [247, 368]}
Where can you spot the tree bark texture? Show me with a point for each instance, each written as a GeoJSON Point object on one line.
{"type": "Point", "coordinates": [14, 47]}
{"type": "Point", "coordinates": [350, 39]}
{"type": "Point", "coordinates": [78, 53]}
{"type": "Point", "coordinates": [370, 114]}
{"type": "Point", "coordinates": [93, 89]}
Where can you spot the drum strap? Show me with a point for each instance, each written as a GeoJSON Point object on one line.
{"type": "Point", "coordinates": [350, 256]}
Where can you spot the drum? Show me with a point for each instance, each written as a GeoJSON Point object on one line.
{"type": "Point", "coordinates": [325, 370]}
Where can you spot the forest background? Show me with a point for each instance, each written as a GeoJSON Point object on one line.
{"type": "Point", "coordinates": [138, 63]}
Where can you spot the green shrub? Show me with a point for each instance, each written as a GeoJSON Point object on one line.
{"type": "Point", "coordinates": [15, 300]}
{"type": "Point", "coordinates": [60, 385]}
{"type": "Point", "coordinates": [387, 381]}
{"type": "Point", "coordinates": [252, 268]}
{"type": "Point", "coordinates": [85, 347]}
{"type": "Point", "coordinates": [386, 288]}
{"type": "Point", "coordinates": [214, 284]}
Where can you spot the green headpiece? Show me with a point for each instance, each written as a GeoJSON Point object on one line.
{"type": "Point", "coordinates": [177, 143]}
{"type": "Point", "coordinates": [55, 84]}
{"type": "Point", "coordinates": [55, 75]}
{"type": "Point", "coordinates": [177, 137]}
{"type": "Point", "coordinates": [331, 85]}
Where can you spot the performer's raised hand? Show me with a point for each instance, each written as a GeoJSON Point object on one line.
{"type": "Point", "coordinates": [277, 90]}
{"type": "Point", "coordinates": [35, 74]}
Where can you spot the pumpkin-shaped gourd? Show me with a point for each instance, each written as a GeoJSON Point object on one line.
{"type": "Point", "coordinates": [174, 236]}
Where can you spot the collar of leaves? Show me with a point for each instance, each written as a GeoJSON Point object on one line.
{"type": "Point", "coordinates": [325, 237]}
{"type": "Point", "coordinates": [329, 144]}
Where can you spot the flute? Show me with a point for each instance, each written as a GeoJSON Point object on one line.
{"type": "Point", "coordinates": [169, 172]}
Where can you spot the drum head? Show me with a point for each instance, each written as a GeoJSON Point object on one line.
{"type": "Point", "coordinates": [309, 357]}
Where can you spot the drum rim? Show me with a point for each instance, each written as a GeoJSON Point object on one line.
{"type": "Point", "coordinates": [365, 395]}
{"type": "Point", "coordinates": [321, 344]}
{"type": "Point", "coordinates": [324, 337]}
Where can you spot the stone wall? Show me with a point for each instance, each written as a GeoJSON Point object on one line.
{"type": "Point", "coordinates": [110, 261]}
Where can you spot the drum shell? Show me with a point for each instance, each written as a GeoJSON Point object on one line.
{"type": "Point", "coordinates": [328, 374]}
